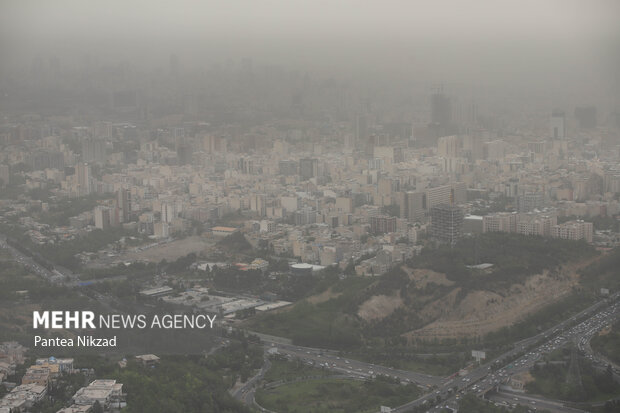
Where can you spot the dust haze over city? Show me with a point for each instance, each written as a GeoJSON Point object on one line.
{"type": "Point", "coordinates": [309, 206]}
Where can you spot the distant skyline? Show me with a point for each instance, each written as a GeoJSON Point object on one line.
{"type": "Point", "coordinates": [507, 45]}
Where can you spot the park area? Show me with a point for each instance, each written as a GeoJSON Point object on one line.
{"type": "Point", "coordinates": [337, 395]}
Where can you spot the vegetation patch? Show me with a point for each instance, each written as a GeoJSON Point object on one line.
{"type": "Point", "coordinates": [608, 344]}
{"type": "Point", "coordinates": [438, 287]}
{"type": "Point", "coordinates": [336, 395]}
{"type": "Point", "coordinates": [580, 383]}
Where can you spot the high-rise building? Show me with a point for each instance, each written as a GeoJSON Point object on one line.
{"type": "Point", "coordinates": [446, 223]}
{"type": "Point", "coordinates": [458, 193]}
{"type": "Point", "coordinates": [500, 222]}
{"type": "Point", "coordinates": [308, 168]}
{"type": "Point", "coordinates": [123, 203]}
{"type": "Point", "coordinates": [213, 144]}
{"type": "Point", "coordinates": [473, 147]}
{"type": "Point", "coordinates": [441, 109]}
{"type": "Point", "coordinates": [449, 146]}
{"type": "Point", "coordinates": [168, 211]}
{"type": "Point", "coordinates": [145, 223]}
{"type": "Point", "coordinates": [416, 206]}
{"type": "Point", "coordinates": [40, 160]}
{"type": "Point", "coordinates": [361, 130]}
{"type": "Point", "coordinates": [403, 203]}
{"type": "Point", "coordinates": [288, 167]}
{"type": "Point", "coordinates": [412, 205]}
{"type": "Point", "coordinates": [258, 204]}
{"type": "Point", "coordinates": [438, 195]}
{"type": "Point", "coordinates": [452, 194]}
{"type": "Point", "coordinates": [387, 186]}
{"type": "Point", "coordinates": [382, 224]}
{"type": "Point", "coordinates": [611, 181]}
{"type": "Point", "coordinates": [290, 203]}
{"type": "Point", "coordinates": [530, 201]}
{"type": "Point", "coordinates": [537, 147]}
{"type": "Point", "coordinates": [161, 230]}
{"type": "Point", "coordinates": [586, 116]}
{"type": "Point", "coordinates": [5, 175]}
{"type": "Point", "coordinates": [102, 217]}
{"type": "Point", "coordinates": [344, 204]}
{"type": "Point", "coordinates": [349, 142]}
{"type": "Point", "coordinates": [304, 216]}
{"type": "Point", "coordinates": [84, 179]}
{"type": "Point", "coordinates": [573, 230]}
{"type": "Point", "coordinates": [536, 224]}
{"type": "Point", "coordinates": [93, 150]}
{"type": "Point", "coordinates": [184, 153]}
{"type": "Point", "coordinates": [511, 188]}
{"type": "Point", "coordinates": [245, 165]}
{"type": "Point", "coordinates": [267, 226]}
{"type": "Point", "coordinates": [558, 125]}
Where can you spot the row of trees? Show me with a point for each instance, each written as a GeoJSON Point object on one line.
{"type": "Point", "coordinates": [340, 395]}
{"type": "Point", "coordinates": [514, 258]}
{"type": "Point", "coordinates": [608, 344]}
{"type": "Point", "coordinates": [177, 384]}
{"type": "Point", "coordinates": [552, 380]}
{"type": "Point", "coordinates": [182, 383]}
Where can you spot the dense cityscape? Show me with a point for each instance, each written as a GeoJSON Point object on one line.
{"type": "Point", "coordinates": [389, 236]}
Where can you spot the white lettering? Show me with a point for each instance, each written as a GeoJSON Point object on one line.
{"type": "Point", "coordinates": [40, 319]}
{"type": "Point", "coordinates": [63, 319]}
{"type": "Point", "coordinates": [155, 322]}
{"type": "Point", "coordinates": [57, 319]}
{"type": "Point", "coordinates": [75, 319]}
{"type": "Point", "coordinates": [87, 319]}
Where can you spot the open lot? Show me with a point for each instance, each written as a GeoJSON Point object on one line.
{"type": "Point", "coordinates": [169, 251]}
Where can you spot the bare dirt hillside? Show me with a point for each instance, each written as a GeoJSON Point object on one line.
{"type": "Point", "coordinates": [422, 277]}
{"type": "Point", "coordinates": [425, 305]}
{"type": "Point", "coordinates": [481, 311]}
{"type": "Point", "coordinates": [379, 306]}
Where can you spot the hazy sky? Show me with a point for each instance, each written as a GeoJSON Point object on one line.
{"type": "Point", "coordinates": [446, 39]}
{"type": "Point", "coordinates": [572, 18]}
